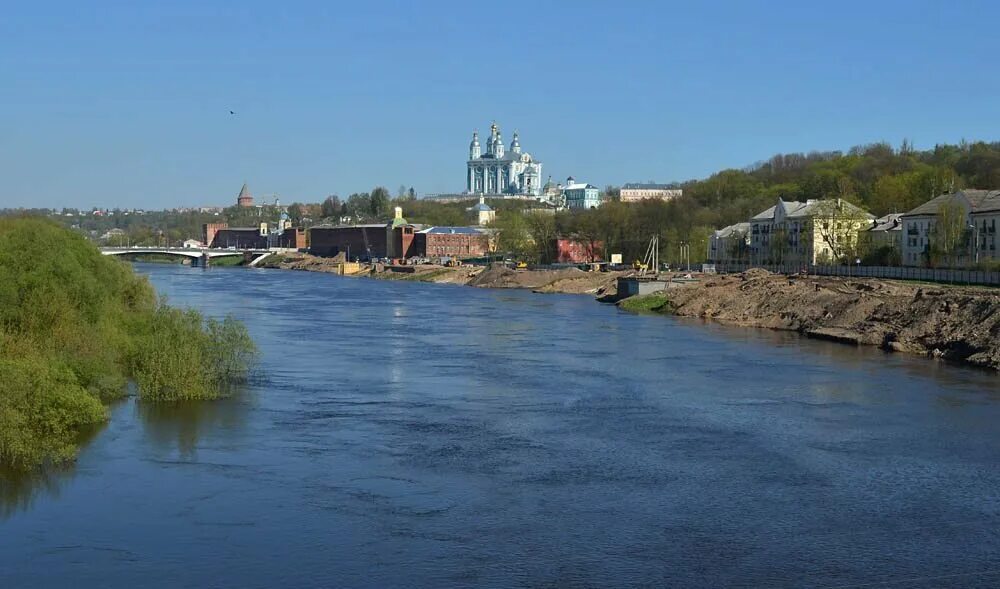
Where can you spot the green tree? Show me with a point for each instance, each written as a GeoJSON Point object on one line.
{"type": "Point", "coordinates": [331, 206]}
{"type": "Point", "coordinates": [948, 235]}
{"type": "Point", "coordinates": [379, 202]}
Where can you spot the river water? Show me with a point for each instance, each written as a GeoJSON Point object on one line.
{"type": "Point", "coordinates": [416, 435]}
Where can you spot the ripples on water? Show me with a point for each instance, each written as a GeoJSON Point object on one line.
{"type": "Point", "coordinates": [422, 435]}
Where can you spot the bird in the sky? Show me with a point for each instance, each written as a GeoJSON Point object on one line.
{"type": "Point", "coordinates": [231, 112]}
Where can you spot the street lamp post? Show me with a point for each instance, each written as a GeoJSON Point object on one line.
{"type": "Point", "coordinates": [975, 242]}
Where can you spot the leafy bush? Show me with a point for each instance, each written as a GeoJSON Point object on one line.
{"type": "Point", "coordinates": [75, 326]}
{"type": "Point", "coordinates": [43, 409]}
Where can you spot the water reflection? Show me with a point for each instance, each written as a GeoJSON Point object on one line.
{"type": "Point", "coordinates": [181, 425]}
{"type": "Point", "coordinates": [20, 489]}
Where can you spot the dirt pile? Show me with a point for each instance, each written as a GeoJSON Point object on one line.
{"type": "Point", "coordinates": [956, 323]}
{"type": "Point", "coordinates": [566, 280]}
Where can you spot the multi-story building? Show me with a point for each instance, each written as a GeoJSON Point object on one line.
{"type": "Point", "coordinates": [580, 195]}
{"type": "Point", "coordinates": [885, 233]}
{"type": "Point", "coordinates": [241, 237]}
{"type": "Point", "coordinates": [958, 227]}
{"type": "Point", "coordinates": [811, 232]}
{"type": "Point", "coordinates": [394, 239]}
{"type": "Point", "coordinates": [495, 172]}
{"type": "Point", "coordinates": [730, 244]}
{"type": "Point", "coordinates": [636, 191]}
{"type": "Point", "coordinates": [451, 242]}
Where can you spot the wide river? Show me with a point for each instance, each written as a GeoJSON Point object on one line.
{"type": "Point", "coordinates": [416, 435]}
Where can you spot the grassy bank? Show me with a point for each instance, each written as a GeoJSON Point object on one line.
{"type": "Point", "coordinates": [76, 327]}
{"type": "Point", "coordinates": [652, 303]}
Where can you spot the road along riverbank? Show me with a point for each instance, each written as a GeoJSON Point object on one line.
{"type": "Point", "coordinates": [952, 322]}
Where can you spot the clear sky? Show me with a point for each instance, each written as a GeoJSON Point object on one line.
{"type": "Point", "coordinates": [127, 103]}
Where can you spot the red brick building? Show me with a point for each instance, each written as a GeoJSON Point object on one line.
{"type": "Point", "coordinates": [569, 251]}
{"type": "Point", "coordinates": [452, 242]}
{"type": "Point", "coordinates": [293, 238]}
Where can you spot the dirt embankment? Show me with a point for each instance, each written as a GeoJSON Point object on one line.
{"type": "Point", "coordinates": [956, 323]}
{"type": "Point", "coordinates": [569, 280]}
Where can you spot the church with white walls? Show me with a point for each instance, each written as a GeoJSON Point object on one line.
{"type": "Point", "coordinates": [499, 172]}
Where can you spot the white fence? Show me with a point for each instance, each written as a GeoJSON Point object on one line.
{"type": "Point", "coordinates": [945, 275]}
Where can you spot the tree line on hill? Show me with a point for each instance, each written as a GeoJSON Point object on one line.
{"type": "Point", "coordinates": [877, 177]}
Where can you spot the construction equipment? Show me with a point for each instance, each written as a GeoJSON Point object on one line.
{"type": "Point", "coordinates": [522, 265]}
{"type": "Point", "coordinates": [639, 265]}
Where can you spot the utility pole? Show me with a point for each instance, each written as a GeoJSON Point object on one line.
{"type": "Point", "coordinates": [975, 243]}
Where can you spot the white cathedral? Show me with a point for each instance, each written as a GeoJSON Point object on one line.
{"type": "Point", "coordinates": [495, 172]}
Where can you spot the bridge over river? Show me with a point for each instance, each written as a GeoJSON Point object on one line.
{"type": "Point", "coordinates": [198, 256]}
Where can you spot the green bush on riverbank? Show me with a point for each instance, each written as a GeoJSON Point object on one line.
{"type": "Point", "coordinates": [76, 326]}
{"type": "Point", "coordinates": [656, 302]}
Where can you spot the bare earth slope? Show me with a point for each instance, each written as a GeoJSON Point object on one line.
{"type": "Point", "coordinates": [957, 323]}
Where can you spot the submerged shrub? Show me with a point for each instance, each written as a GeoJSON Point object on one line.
{"type": "Point", "coordinates": [180, 356]}
{"type": "Point", "coordinates": [43, 411]}
{"type": "Point", "coordinates": [75, 326]}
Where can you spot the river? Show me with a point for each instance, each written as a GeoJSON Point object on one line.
{"type": "Point", "coordinates": [420, 435]}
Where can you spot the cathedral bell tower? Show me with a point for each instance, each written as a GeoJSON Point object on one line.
{"type": "Point", "coordinates": [474, 150]}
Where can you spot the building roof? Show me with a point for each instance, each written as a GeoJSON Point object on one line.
{"type": "Point", "coordinates": [365, 225]}
{"type": "Point", "coordinates": [452, 230]}
{"type": "Point", "coordinates": [797, 209]}
{"type": "Point", "coordinates": [812, 207]}
{"type": "Point", "coordinates": [578, 186]}
{"type": "Point", "coordinates": [889, 222]}
{"type": "Point", "coordinates": [221, 229]}
{"type": "Point", "coordinates": [480, 207]}
{"type": "Point", "coordinates": [728, 231]}
{"type": "Point", "coordinates": [647, 186]}
{"type": "Point", "coordinates": [764, 215]}
{"type": "Point", "coordinates": [980, 201]}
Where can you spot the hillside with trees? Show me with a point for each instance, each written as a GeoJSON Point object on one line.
{"type": "Point", "coordinates": [876, 177]}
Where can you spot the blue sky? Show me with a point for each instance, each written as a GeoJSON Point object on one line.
{"type": "Point", "coordinates": [127, 103]}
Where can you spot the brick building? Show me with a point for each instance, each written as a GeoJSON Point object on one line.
{"type": "Point", "coordinates": [457, 242]}
{"type": "Point", "coordinates": [244, 199]}
{"type": "Point", "coordinates": [292, 238]}
{"type": "Point", "coordinates": [394, 239]}
{"type": "Point", "coordinates": [361, 242]}
{"type": "Point", "coordinates": [208, 231]}
{"type": "Point", "coordinates": [570, 251]}
{"type": "Point", "coordinates": [241, 237]}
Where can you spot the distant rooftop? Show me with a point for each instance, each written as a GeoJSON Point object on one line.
{"type": "Point", "coordinates": [647, 186]}
{"type": "Point", "coordinates": [979, 201]}
{"type": "Point", "coordinates": [365, 225]}
{"type": "Point", "coordinates": [452, 230]}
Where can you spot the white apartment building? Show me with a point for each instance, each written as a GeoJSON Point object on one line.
{"type": "Point", "coordinates": [978, 211]}
{"type": "Point", "coordinates": [810, 232]}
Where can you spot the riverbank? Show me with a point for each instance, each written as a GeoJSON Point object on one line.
{"type": "Point", "coordinates": [566, 280]}
{"type": "Point", "coordinates": [955, 323]}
